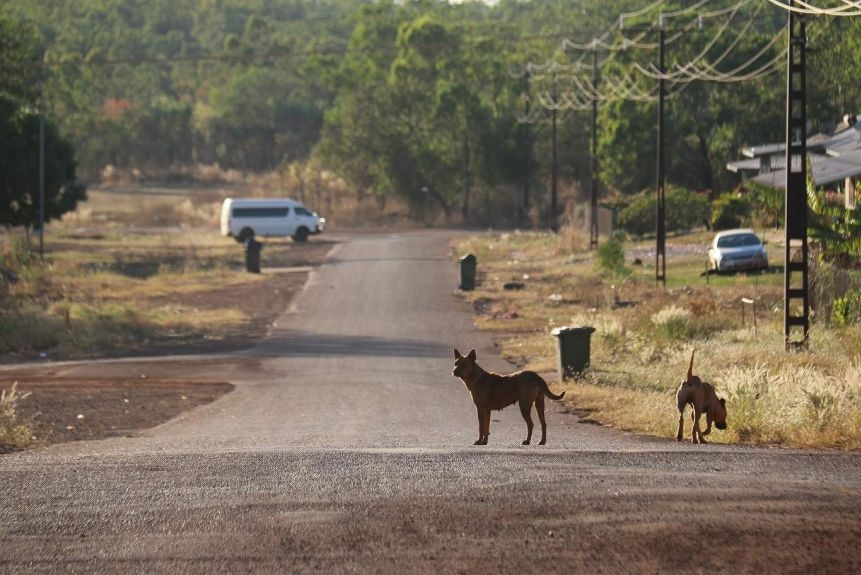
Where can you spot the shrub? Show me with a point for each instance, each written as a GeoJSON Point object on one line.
{"type": "Point", "coordinates": [12, 432]}
{"type": "Point", "coordinates": [847, 309]}
{"type": "Point", "coordinates": [672, 322]}
{"type": "Point", "coordinates": [684, 210]}
{"type": "Point", "coordinates": [610, 257]}
{"type": "Point", "coordinates": [730, 211]}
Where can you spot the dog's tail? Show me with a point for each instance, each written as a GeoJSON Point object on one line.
{"type": "Point", "coordinates": [690, 376]}
{"type": "Point", "coordinates": [546, 389]}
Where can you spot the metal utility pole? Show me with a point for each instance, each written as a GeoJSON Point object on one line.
{"type": "Point", "coordinates": [554, 225]}
{"type": "Point", "coordinates": [593, 227]}
{"type": "Point", "coordinates": [795, 281]}
{"type": "Point", "coordinates": [660, 248]}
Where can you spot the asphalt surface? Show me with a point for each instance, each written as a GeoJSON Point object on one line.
{"type": "Point", "coordinates": [347, 446]}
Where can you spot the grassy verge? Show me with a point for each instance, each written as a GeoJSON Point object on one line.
{"type": "Point", "coordinates": [108, 290]}
{"type": "Point", "coordinates": [645, 334]}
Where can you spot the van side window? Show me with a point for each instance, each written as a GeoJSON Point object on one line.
{"type": "Point", "coordinates": [261, 212]}
{"type": "Point", "coordinates": [300, 211]}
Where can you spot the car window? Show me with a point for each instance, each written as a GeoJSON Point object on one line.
{"type": "Point", "coordinates": [260, 212]}
{"type": "Point", "coordinates": [300, 211]}
{"type": "Point", "coordinates": [738, 241]}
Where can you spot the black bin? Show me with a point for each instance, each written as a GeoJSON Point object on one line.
{"type": "Point", "coordinates": [572, 344]}
{"type": "Point", "coordinates": [468, 265]}
{"type": "Point", "coordinates": [252, 255]}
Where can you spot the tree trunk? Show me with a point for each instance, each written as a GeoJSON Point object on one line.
{"type": "Point", "coordinates": [707, 176]}
{"type": "Point", "coordinates": [467, 184]}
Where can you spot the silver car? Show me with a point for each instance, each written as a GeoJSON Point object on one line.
{"type": "Point", "coordinates": [737, 250]}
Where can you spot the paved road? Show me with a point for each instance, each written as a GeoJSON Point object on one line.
{"type": "Point", "coordinates": [346, 446]}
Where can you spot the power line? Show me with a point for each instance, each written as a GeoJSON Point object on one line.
{"type": "Point", "coordinates": [848, 8]}
{"type": "Point", "coordinates": [340, 48]}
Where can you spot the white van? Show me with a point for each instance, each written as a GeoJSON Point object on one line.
{"type": "Point", "coordinates": [245, 218]}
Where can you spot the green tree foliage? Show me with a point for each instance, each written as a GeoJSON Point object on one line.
{"type": "Point", "coordinates": [19, 142]}
{"type": "Point", "coordinates": [836, 229]}
{"type": "Point", "coordinates": [19, 169]}
{"type": "Point", "coordinates": [409, 99]}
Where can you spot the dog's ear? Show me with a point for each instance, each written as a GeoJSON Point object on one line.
{"type": "Point", "coordinates": [457, 354]}
{"type": "Point", "coordinates": [471, 355]}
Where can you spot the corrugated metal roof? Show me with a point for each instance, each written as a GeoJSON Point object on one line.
{"type": "Point", "coordinates": [825, 171]}
{"type": "Point", "coordinates": [752, 165]}
{"type": "Point", "coordinates": [845, 141]}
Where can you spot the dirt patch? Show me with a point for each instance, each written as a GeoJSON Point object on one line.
{"type": "Point", "coordinates": [64, 410]}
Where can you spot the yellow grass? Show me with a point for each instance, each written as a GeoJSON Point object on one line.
{"type": "Point", "coordinates": [13, 433]}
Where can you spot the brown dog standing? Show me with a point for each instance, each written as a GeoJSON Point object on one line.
{"type": "Point", "coordinates": [493, 391]}
{"type": "Point", "coordinates": [703, 399]}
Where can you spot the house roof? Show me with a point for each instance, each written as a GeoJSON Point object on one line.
{"type": "Point", "coordinates": [845, 140]}
{"type": "Point", "coordinates": [832, 157]}
{"type": "Point", "coordinates": [825, 170]}
{"type": "Point", "coordinates": [751, 165]}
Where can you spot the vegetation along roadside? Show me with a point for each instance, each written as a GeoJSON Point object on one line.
{"type": "Point", "coordinates": [645, 334]}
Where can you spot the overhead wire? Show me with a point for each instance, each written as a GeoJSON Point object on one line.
{"type": "Point", "coordinates": [848, 8]}
{"type": "Point", "coordinates": [654, 73]}
{"type": "Point", "coordinates": [681, 76]}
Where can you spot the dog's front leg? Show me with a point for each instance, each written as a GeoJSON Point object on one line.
{"type": "Point", "coordinates": [696, 430]}
{"type": "Point", "coordinates": [486, 427]}
{"type": "Point", "coordinates": [708, 424]}
{"type": "Point", "coordinates": [480, 413]}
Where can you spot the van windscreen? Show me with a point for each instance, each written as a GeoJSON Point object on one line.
{"type": "Point", "coordinates": [260, 212]}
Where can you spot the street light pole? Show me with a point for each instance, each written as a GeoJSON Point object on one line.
{"type": "Point", "coordinates": [553, 171]}
{"type": "Point", "coordinates": [42, 183]}
{"type": "Point", "coordinates": [593, 226]}
{"type": "Point", "coordinates": [660, 248]}
{"type": "Point", "coordinates": [527, 147]}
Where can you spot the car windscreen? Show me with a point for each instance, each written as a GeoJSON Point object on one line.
{"type": "Point", "coordinates": [738, 241]}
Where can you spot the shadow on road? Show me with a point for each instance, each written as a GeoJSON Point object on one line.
{"type": "Point", "coordinates": [304, 344]}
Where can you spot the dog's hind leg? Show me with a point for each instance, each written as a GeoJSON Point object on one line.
{"type": "Point", "coordinates": [680, 433]}
{"type": "Point", "coordinates": [525, 409]}
{"type": "Point", "coordinates": [480, 413]}
{"type": "Point", "coordinates": [539, 407]}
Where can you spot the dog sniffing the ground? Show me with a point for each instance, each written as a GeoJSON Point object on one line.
{"type": "Point", "coordinates": [703, 399]}
{"type": "Point", "coordinates": [493, 391]}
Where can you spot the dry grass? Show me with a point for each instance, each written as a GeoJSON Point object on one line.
{"type": "Point", "coordinates": [104, 286]}
{"type": "Point", "coordinates": [645, 334]}
{"type": "Point", "coordinates": [14, 434]}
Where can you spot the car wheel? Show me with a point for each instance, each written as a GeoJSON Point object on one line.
{"type": "Point", "coordinates": [245, 234]}
{"type": "Point", "coordinates": [301, 235]}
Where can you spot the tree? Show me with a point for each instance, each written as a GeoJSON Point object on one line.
{"type": "Point", "coordinates": [19, 140]}
{"type": "Point", "coordinates": [19, 169]}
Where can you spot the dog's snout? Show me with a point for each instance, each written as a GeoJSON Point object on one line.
{"type": "Point", "coordinates": [720, 425]}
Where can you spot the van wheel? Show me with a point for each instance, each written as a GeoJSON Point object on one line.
{"type": "Point", "coordinates": [245, 234]}
{"type": "Point", "coordinates": [301, 235]}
